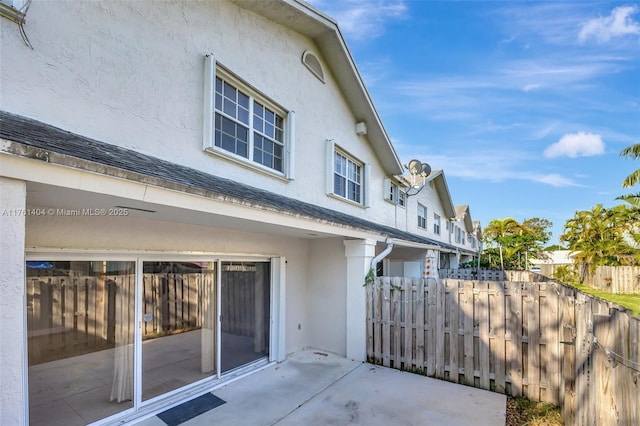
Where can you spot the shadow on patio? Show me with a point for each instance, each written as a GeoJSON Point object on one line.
{"type": "Point", "coordinates": [316, 388]}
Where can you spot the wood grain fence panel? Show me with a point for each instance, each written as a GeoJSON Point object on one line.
{"type": "Point", "coordinates": [551, 326]}
{"type": "Point", "coordinates": [377, 325]}
{"type": "Point", "coordinates": [398, 323]}
{"type": "Point", "coordinates": [454, 327]}
{"type": "Point", "coordinates": [482, 318]}
{"type": "Point", "coordinates": [439, 291]}
{"type": "Point", "coordinates": [604, 382]}
{"type": "Point", "coordinates": [583, 360]}
{"type": "Point", "coordinates": [533, 343]}
{"type": "Point", "coordinates": [407, 305]}
{"type": "Point", "coordinates": [468, 319]}
{"type": "Point", "coordinates": [497, 330]}
{"type": "Point", "coordinates": [420, 316]}
{"type": "Point", "coordinates": [515, 325]}
{"type": "Point", "coordinates": [634, 377]}
{"type": "Point", "coordinates": [431, 315]}
{"type": "Point", "coordinates": [370, 291]}
{"type": "Point", "coordinates": [386, 323]}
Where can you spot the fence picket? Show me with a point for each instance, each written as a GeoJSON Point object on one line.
{"type": "Point", "coordinates": [419, 314]}
{"type": "Point", "coordinates": [454, 329]}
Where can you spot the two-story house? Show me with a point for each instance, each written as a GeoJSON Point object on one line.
{"type": "Point", "coordinates": [189, 191]}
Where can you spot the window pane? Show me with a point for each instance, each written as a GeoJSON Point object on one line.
{"type": "Point", "coordinates": [269, 130]}
{"type": "Point", "coordinates": [80, 331]}
{"type": "Point", "coordinates": [258, 110]}
{"type": "Point", "coordinates": [279, 135]}
{"type": "Point", "coordinates": [179, 325]}
{"type": "Point", "coordinates": [228, 126]}
{"type": "Point", "coordinates": [243, 115]}
{"type": "Point", "coordinates": [269, 116]}
{"type": "Point", "coordinates": [242, 133]}
{"type": "Point", "coordinates": [228, 143]}
{"type": "Point", "coordinates": [258, 124]}
{"type": "Point", "coordinates": [339, 185]}
{"type": "Point", "coordinates": [242, 149]}
{"type": "Point", "coordinates": [243, 100]}
{"type": "Point", "coordinates": [229, 91]}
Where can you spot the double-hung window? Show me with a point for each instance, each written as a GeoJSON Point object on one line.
{"type": "Point", "coordinates": [402, 198]}
{"type": "Point", "coordinates": [393, 193]}
{"type": "Point", "coordinates": [347, 177]}
{"type": "Point", "coordinates": [436, 223]}
{"type": "Point", "coordinates": [422, 216]}
{"type": "Point", "coordinates": [246, 127]}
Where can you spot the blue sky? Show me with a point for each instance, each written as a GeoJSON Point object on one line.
{"type": "Point", "coordinates": [525, 105]}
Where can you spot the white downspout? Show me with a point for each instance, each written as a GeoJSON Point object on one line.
{"type": "Point", "coordinates": [383, 254]}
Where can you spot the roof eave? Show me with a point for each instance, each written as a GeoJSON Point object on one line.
{"type": "Point", "coordinates": [303, 18]}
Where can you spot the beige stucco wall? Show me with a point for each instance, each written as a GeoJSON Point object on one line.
{"type": "Point", "coordinates": [131, 73]}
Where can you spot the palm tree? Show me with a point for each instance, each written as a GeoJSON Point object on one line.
{"type": "Point", "coordinates": [600, 237]}
{"type": "Point", "coordinates": [498, 230]}
{"type": "Point", "coordinates": [632, 151]}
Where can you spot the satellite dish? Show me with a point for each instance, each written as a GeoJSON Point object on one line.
{"type": "Point", "coordinates": [417, 167]}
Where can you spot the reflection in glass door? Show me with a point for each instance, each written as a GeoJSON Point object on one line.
{"type": "Point", "coordinates": [178, 325]}
{"type": "Point", "coordinates": [245, 302]}
{"type": "Point", "coordinates": [80, 340]}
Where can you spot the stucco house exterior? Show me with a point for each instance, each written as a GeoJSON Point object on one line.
{"type": "Point", "coordinates": [189, 190]}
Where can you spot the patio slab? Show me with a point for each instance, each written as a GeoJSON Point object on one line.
{"type": "Point", "coordinates": [317, 388]}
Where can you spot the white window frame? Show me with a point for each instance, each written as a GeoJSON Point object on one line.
{"type": "Point", "coordinates": [422, 216]}
{"type": "Point", "coordinates": [402, 198]}
{"type": "Point", "coordinates": [365, 175]}
{"type": "Point", "coordinates": [458, 232]}
{"type": "Point", "coordinates": [214, 71]}
{"type": "Point", "coordinates": [436, 223]}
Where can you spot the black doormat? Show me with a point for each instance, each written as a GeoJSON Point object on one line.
{"type": "Point", "coordinates": [190, 409]}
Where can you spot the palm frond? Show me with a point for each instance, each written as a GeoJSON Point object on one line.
{"type": "Point", "coordinates": [632, 179]}
{"type": "Point", "coordinates": [632, 151]}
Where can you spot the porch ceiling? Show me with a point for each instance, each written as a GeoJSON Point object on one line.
{"type": "Point", "coordinates": [42, 196]}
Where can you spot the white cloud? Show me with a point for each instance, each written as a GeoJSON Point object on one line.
{"type": "Point", "coordinates": [531, 87]}
{"type": "Point", "coordinates": [573, 145]}
{"type": "Point", "coordinates": [487, 166]}
{"type": "Point", "coordinates": [619, 23]}
{"type": "Point", "coordinates": [360, 19]}
{"type": "Point", "coordinates": [556, 180]}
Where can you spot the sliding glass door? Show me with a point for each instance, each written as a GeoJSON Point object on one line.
{"type": "Point", "coordinates": [80, 322]}
{"type": "Point", "coordinates": [178, 325]}
{"type": "Point", "coordinates": [245, 301]}
{"type": "Point", "coordinates": [106, 336]}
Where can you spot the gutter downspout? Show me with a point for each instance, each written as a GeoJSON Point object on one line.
{"type": "Point", "coordinates": [382, 255]}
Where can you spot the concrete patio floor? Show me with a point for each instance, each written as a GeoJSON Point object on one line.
{"type": "Point", "coordinates": [317, 388]}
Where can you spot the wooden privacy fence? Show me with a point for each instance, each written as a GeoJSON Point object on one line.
{"type": "Point", "coordinates": [542, 340]}
{"type": "Point", "coordinates": [491, 275]}
{"type": "Point", "coordinates": [615, 279]}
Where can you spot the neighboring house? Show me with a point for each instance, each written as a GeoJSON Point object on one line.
{"type": "Point", "coordinates": [554, 259]}
{"type": "Point", "coordinates": [189, 190]}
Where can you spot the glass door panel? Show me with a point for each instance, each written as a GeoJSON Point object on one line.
{"type": "Point", "coordinates": [178, 325]}
{"type": "Point", "coordinates": [80, 323]}
{"type": "Point", "coordinates": [245, 302]}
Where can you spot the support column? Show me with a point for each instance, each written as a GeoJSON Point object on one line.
{"type": "Point", "coordinates": [359, 254]}
{"type": "Point", "coordinates": [13, 401]}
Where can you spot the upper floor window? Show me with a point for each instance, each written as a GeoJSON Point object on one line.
{"type": "Point", "coordinates": [394, 193]}
{"type": "Point", "coordinates": [436, 224]}
{"type": "Point", "coordinates": [458, 234]}
{"type": "Point", "coordinates": [347, 177]}
{"type": "Point", "coordinates": [402, 198]}
{"type": "Point", "coordinates": [472, 240]}
{"type": "Point", "coordinates": [422, 216]}
{"type": "Point", "coordinates": [246, 126]}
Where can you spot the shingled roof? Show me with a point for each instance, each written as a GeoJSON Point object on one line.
{"type": "Point", "coordinates": [49, 139]}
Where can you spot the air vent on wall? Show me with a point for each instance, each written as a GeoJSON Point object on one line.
{"type": "Point", "coordinates": [313, 64]}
